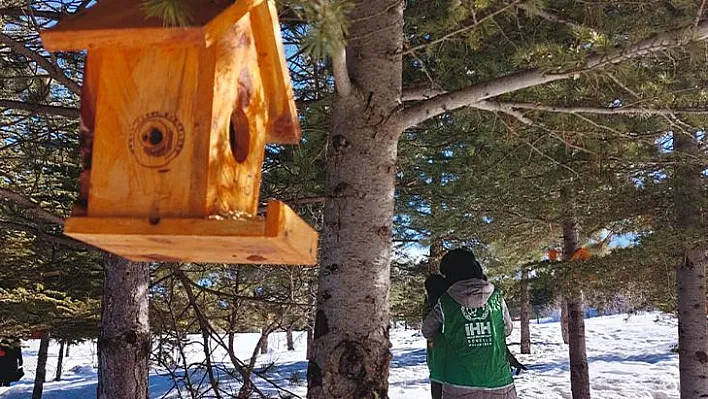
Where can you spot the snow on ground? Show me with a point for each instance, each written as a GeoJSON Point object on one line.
{"type": "Point", "coordinates": [629, 359]}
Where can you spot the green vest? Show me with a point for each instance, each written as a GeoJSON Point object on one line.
{"type": "Point", "coordinates": [436, 358]}
{"type": "Point", "coordinates": [476, 342]}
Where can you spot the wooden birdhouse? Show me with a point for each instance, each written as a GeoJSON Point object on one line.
{"type": "Point", "coordinates": [174, 126]}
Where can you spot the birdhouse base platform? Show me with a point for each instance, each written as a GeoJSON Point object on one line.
{"type": "Point", "coordinates": [282, 237]}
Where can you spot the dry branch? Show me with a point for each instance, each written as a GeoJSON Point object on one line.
{"type": "Point", "coordinates": [40, 108]}
{"type": "Point", "coordinates": [52, 69]}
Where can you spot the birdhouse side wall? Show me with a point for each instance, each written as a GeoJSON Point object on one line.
{"type": "Point", "coordinates": [238, 136]}
{"type": "Point", "coordinates": [151, 139]}
{"type": "Point", "coordinates": [283, 124]}
{"type": "Point", "coordinates": [89, 94]}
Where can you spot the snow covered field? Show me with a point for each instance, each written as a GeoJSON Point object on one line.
{"type": "Point", "coordinates": [628, 359]}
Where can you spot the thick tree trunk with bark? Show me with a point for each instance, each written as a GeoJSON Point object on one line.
{"type": "Point", "coordinates": [690, 274]}
{"type": "Point", "coordinates": [525, 313]}
{"type": "Point", "coordinates": [124, 343]}
{"type": "Point", "coordinates": [60, 360]}
{"type": "Point", "coordinates": [41, 373]}
{"type": "Point", "coordinates": [579, 370]}
{"type": "Point", "coordinates": [350, 352]}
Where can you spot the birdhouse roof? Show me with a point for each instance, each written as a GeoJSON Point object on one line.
{"type": "Point", "coordinates": [125, 23]}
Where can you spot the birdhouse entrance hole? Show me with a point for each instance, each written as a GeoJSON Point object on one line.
{"type": "Point", "coordinates": [239, 135]}
{"type": "Point", "coordinates": [174, 124]}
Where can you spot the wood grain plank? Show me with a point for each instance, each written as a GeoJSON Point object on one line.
{"type": "Point", "coordinates": [139, 90]}
{"type": "Point", "coordinates": [283, 124]}
{"type": "Point", "coordinates": [282, 238]}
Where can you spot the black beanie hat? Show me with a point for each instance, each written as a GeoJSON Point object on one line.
{"type": "Point", "coordinates": [460, 264]}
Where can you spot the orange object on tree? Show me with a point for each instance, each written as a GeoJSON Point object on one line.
{"type": "Point", "coordinates": [553, 255]}
{"type": "Point", "coordinates": [580, 254]}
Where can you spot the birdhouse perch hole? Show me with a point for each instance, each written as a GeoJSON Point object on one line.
{"type": "Point", "coordinates": [174, 127]}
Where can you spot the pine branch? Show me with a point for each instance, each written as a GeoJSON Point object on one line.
{"type": "Point", "coordinates": [40, 108]}
{"type": "Point", "coordinates": [503, 108]}
{"type": "Point", "coordinates": [32, 209]}
{"type": "Point", "coordinates": [417, 94]}
{"type": "Point", "coordinates": [22, 12]}
{"type": "Point", "coordinates": [521, 80]}
{"type": "Point", "coordinates": [467, 96]}
{"type": "Point", "coordinates": [548, 16]}
{"type": "Point", "coordinates": [475, 22]}
{"type": "Point", "coordinates": [52, 69]}
{"type": "Point", "coordinates": [600, 110]}
{"type": "Point", "coordinates": [341, 73]}
{"type": "Point", "coordinates": [59, 240]}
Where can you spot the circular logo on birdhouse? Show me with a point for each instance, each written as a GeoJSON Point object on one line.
{"type": "Point", "coordinates": [156, 139]}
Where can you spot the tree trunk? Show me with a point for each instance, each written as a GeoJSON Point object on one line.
{"type": "Point", "coordinates": [564, 320]}
{"type": "Point", "coordinates": [41, 373]}
{"type": "Point", "coordinates": [690, 274]}
{"type": "Point", "coordinates": [60, 360]}
{"type": "Point", "coordinates": [68, 345]}
{"type": "Point", "coordinates": [310, 337]}
{"type": "Point", "coordinates": [435, 254]}
{"type": "Point", "coordinates": [350, 352]}
{"type": "Point", "coordinates": [310, 317]}
{"type": "Point", "coordinates": [525, 313]}
{"type": "Point", "coordinates": [124, 342]}
{"type": "Point", "coordinates": [289, 338]}
{"type": "Point", "coordinates": [264, 341]}
{"type": "Point", "coordinates": [579, 371]}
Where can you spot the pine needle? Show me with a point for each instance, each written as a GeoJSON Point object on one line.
{"type": "Point", "coordinates": [173, 13]}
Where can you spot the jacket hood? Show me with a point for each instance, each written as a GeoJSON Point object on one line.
{"type": "Point", "coordinates": [472, 293]}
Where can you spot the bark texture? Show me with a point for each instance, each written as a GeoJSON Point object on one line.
{"type": "Point", "coordinates": [289, 338]}
{"type": "Point", "coordinates": [124, 342]}
{"type": "Point", "coordinates": [690, 274]}
{"type": "Point", "coordinates": [41, 373]}
{"type": "Point", "coordinates": [525, 313]}
{"type": "Point", "coordinates": [60, 361]}
{"type": "Point", "coordinates": [564, 321]}
{"type": "Point", "coordinates": [579, 370]}
{"type": "Point", "coordinates": [350, 351]}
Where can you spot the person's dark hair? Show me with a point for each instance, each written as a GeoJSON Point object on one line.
{"type": "Point", "coordinates": [460, 264]}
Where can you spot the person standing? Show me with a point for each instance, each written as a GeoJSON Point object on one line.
{"type": "Point", "coordinates": [473, 321]}
{"type": "Point", "coordinates": [10, 361]}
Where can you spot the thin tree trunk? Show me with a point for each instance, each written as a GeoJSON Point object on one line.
{"type": "Point", "coordinates": [310, 337]}
{"type": "Point", "coordinates": [124, 342]}
{"type": "Point", "coordinates": [68, 345]}
{"type": "Point", "coordinates": [289, 338]}
{"type": "Point", "coordinates": [579, 371]}
{"type": "Point", "coordinates": [310, 317]}
{"type": "Point", "coordinates": [41, 373]}
{"type": "Point", "coordinates": [690, 274]}
{"type": "Point", "coordinates": [350, 352]}
{"type": "Point", "coordinates": [60, 360]}
{"type": "Point", "coordinates": [264, 341]}
{"type": "Point", "coordinates": [525, 313]}
{"type": "Point", "coordinates": [564, 320]}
